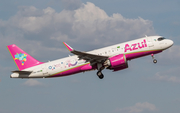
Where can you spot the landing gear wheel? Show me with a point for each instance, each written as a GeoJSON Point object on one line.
{"type": "Point", "coordinates": [100, 75]}
{"type": "Point", "coordinates": [155, 61]}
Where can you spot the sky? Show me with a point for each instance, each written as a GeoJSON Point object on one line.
{"type": "Point", "coordinates": [40, 27]}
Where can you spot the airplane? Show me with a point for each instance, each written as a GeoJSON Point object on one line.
{"type": "Point", "coordinates": [113, 57]}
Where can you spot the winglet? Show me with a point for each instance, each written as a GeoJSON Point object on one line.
{"type": "Point", "coordinates": [68, 47]}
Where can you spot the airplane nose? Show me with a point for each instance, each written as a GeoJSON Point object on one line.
{"type": "Point", "coordinates": [171, 43]}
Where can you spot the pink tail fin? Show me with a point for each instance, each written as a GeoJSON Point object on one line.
{"type": "Point", "coordinates": [21, 58]}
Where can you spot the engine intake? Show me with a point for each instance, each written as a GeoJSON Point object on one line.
{"type": "Point", "coordinates": [117, 62]}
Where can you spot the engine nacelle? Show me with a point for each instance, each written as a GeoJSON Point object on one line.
{"type": "Point", "coordinates": [117, 62]}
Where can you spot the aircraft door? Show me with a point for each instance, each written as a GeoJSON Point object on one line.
{"type": "Point", "coordinates": [150, 42]}
{"type": "Point", "coordinates": [44, 69]}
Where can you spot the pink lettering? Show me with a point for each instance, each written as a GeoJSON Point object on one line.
{"type": "Point", "coordinates": [134, 46]}
{"type": "Point", "coordinates": [141, 45]}
{"type": "Point", "coordinates": [127, 48]}
{"type": "Point", "coordinates": [145, 43]}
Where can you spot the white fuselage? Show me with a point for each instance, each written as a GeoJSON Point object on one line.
{"type": "Point", "coordinates": [60, 66]}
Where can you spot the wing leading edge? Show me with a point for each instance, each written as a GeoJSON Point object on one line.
{"type": "Point", "coordinates": [92, 58]}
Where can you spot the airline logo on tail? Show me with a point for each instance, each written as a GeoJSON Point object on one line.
{"type": "Point", "coordinates": [21, 57]}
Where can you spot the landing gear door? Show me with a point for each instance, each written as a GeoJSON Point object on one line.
{"type": "Point", "coordinates": [150, 43]}
{"type": "Point", "coordinates": [44, 69]}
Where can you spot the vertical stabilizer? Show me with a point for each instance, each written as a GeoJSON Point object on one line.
{"type": "Point", "coordinates": [21, 58]}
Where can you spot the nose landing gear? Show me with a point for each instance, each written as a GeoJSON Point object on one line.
{"type": "Point", "coordinates": [154, 60]}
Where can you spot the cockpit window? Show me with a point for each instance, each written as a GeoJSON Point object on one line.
{"type": "Point", "coordinates": [161, 38]}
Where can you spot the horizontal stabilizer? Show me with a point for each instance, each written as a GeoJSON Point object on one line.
{"type": "Point", "coordinates": [22, 72]}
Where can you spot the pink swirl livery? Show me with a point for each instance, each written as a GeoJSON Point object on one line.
{"type": "Point", "coordinates": [113, 57]}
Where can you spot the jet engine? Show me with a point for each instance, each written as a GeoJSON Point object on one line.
{"type": "Point", "coordinates": [116, 63]}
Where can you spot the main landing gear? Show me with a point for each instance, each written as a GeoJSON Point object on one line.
{"type": "Point", "coordinates": [154, 60]}
{"type": "Point", "coordinates": [100, 68]}
{"type": "Point", "coordinates": [100, 75]}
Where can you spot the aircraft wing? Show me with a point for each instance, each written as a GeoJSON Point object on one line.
{"type": "Point", "coordinates": [92, 58]}
{"type": "Point", "coordinates": [89, 57]}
